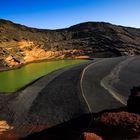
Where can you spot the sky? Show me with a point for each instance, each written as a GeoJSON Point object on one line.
{"type": "Point", "coordinates": [54, 14]}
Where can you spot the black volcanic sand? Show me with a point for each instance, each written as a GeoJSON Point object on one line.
{"type": "Point", "coordinates": [119, 75]}
{"type": "Point", "coordinates": [57, 98]}
{"type": "Point", "coordinates": [98, 98]}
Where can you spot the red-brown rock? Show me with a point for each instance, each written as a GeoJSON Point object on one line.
{"type": "Point", "coordinates": [91, 136]}
{"type": "Point", "coordinates": [120, 124]}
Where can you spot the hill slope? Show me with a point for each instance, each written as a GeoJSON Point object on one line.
{"type": "Point", "coordinates": [20, 44]}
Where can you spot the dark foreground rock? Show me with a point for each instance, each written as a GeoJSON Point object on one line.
{"type": "Point", "coordinates": [120, 125]}
{"type": "Point", "coordinates": [134, 100]}
{"type": "Point", "coordinates": [106, 126]}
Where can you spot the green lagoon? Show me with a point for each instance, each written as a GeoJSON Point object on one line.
{"type": "Point", "coordinates": [12, 80]}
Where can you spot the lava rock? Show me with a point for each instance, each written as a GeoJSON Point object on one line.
{"type": "Point", "coordinates": [91, 136]}
{"type": "Point", "coordinates": [120, 125]}
{"type": "Point", "coordinates": [133, 103]}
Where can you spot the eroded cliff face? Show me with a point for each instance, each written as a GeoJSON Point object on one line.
{"type": "Point", "coordinates": [20, 44]}
{"type": "Point", "coordinates": [14, 53]}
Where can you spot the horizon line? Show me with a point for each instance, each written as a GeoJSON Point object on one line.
{"type": "Point", "coordinates": [90, 21]}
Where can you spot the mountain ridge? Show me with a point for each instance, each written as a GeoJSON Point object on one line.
{"type": "Point", "coordinates": [86, 22]}
{"type": "Point", "coordinates": [20, 44]}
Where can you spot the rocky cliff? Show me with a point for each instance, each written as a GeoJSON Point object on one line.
{"type": "Point", "coordinates": [20, 44]}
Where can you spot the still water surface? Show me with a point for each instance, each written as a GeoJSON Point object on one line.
{"type": "Point", "coordinates": [12, 80]}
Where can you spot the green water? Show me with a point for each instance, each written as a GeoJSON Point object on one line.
{"type": "Point", "coordinates": [12, 80]}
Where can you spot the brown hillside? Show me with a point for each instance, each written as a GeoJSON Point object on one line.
{"type": "Point", "coordinates": [20, 44]}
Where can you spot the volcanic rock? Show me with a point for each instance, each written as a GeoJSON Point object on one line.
{"type": "Point", "coordinates": [120, 125]}
{"type": "Point", "coordinates": [134, 100]}
{"type": "Point", "coordinates": [90, 39]}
